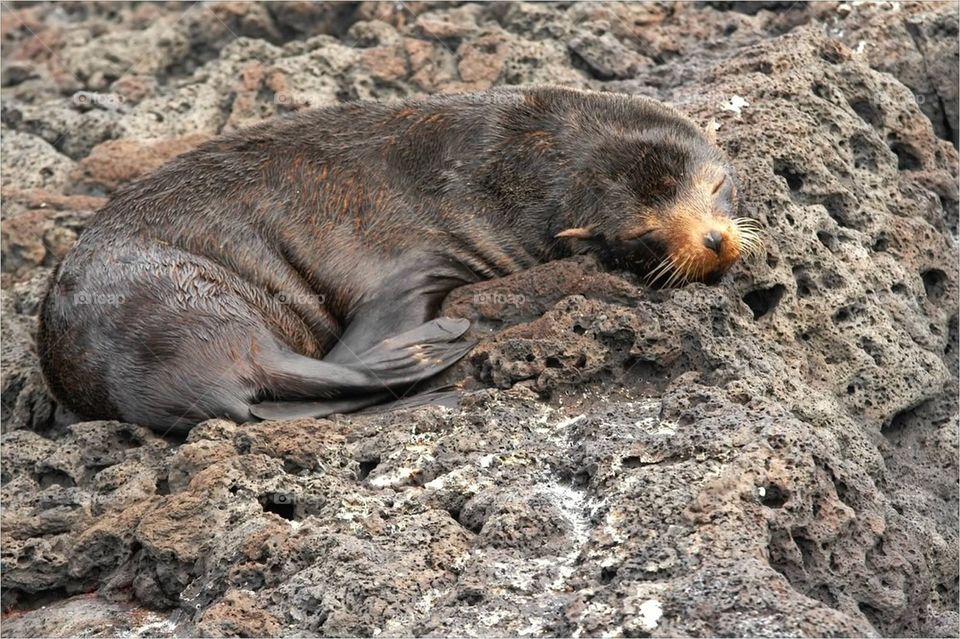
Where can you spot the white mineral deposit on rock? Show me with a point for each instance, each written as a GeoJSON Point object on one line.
{"type": "Point", "coordinates": [651, 611]}
{"type": "Point", "coordinates": [735, 105]}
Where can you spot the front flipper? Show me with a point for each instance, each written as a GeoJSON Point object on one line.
{"type": "Point", "coordinates": [408, 298]}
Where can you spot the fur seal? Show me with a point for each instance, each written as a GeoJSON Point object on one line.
{"type": "Point", "coordinates": [296, 268]}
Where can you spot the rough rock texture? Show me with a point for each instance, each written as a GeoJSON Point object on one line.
{"type": "Point", "coordinates": [775, 455]}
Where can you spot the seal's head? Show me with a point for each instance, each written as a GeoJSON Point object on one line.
{"type": "Point", "coordinates": [664, 205]}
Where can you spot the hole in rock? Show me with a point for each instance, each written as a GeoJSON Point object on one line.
{"type": "Point", "coordinates": [907, 158]}
{"type": "Point", "coordinates": [644, 369]}
{"type": "Point", "coordinates": [763, 301]}
{"type": "Point", "coordinates": [951, 212]}
{"type": "Point", "coordinates": [764, 67]}
{"type": "Point", "coordinates": [820, 90]}
{"type": "Point", "coordinates": [35, 600]}
{"type": "Point", "coordinates": [846, 313]}
{"type": "Point", "coordinates": [793, 178]}
{"type": "Point", "coordinates": [54, 477]}
{"type": "Point", "coordinates": [808, 549]}
{"type": "Point", "coordinates": [470, 596]}
{"type": "Point", "coordinates": [855, 384]}
{"type": "Point", "coordinates": [832, 280]}
{"type": "Point", "coordinates": [871, 348]}
{"type": "Point", "coordinates": [824, 594]}
{"type": "Point", "coordinates": [472, 523]}
{"type": "Point", "coordinates": [774, 496]}
{"type": "Point", "coordinates": [365, 467]}
{"type": "Point", "coordinates": [882, 244]}
{"type": "Point", "coordinates": [898, 423]}
{"type": "Point", "coordinates": [840, 487]}
{"type": "Point", "coordinates": [828, 239]}
{"type": "Point", "coordinates": [632, 462]}
{"type": "Point", "coordinates": [128, 440]}
{"type": "Point", "coordinates": [836, 206]}
{"type": "Point", "coordinates": [243, 444]}
{"type": "Point", "coordinates": [949, 591]}
{"type": "Point", "coordinates": [291, 467]}
{"type": "Point", "coordinates": [283, 504]}
{"type": "Point", "coordinates": [871, 613]}
{"type": "Point", "coordinates": [832, 53]}
{"type": "Point", "coordinates": [950, 350]}
{"type": "Point", "coordinates": [805, 283]}
{"type": "Point", "coordinates": [934, 283]}
{"type": "Point", "coordinates": [96, 468]}
{"type": "Point", "coordinates": [581, 478]}
{"type": "Point", "coordinates": [867, 111]}
{"type": "Point", "coordinates": [864, 152]}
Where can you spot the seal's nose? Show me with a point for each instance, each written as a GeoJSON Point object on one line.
{"type": "Point", "coordinates": [713, 241]}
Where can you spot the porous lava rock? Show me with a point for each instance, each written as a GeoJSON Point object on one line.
{"type": "Point", "coordinates": [774, 455]}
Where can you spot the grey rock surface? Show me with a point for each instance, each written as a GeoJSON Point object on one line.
{"type": "Point", "coordinates": [775, 455]}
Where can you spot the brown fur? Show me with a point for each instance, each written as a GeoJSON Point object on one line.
{"type": "Point", "coordinates": [232, 270]}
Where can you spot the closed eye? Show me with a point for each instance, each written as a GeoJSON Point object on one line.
{"type": "Point", "coordinates": [719, 185]}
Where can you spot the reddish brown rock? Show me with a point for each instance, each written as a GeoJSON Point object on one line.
{"type": "Point", "coordinates": [481, 60]}
{"type": "Point", "coordinates": [39, 227]}
{"type": "Point", "coordinates": [135, 88]}
{"type": "Point", "coordinates": [386, 63]}
{"type": "Point", "coordinates": [448, 25]}
{"type": "Point", "coordinates": [431, 64]}
{"type": "Point", "coordinates": [117, 162]}
{"type": "Point", "coordinates": [37, 199]}
{"type": "Point", "coordinates": [237, 614]}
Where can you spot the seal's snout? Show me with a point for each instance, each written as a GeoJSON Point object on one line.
{"type": "Point", "coordinates": [700, 235]}
{"type": "Point", "coordinates": [702, 247]}
{"type": "Point", "coordinates": [713, 241]}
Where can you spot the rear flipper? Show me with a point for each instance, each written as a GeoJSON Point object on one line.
{"type": "Point", "coordinates": [446, 397]}
{"type": "Point", "coordinates": [400, 361]}
{"type": "Point", "coordinates": [371, 404]}
{"type": "Point", "coordinates": [296, 410]}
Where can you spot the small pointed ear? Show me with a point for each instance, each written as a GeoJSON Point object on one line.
{"type": "Point", "coordinates": [711, 131]}
{"type": "Point", "coordinates": [578, 233]}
